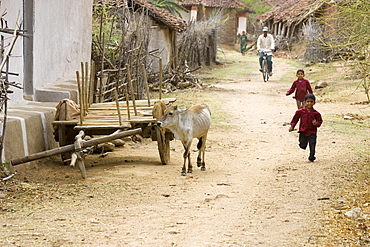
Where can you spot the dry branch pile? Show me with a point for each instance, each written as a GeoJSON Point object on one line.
{"type": "Point", "coordinates": [175, 79]}
{"type": "Point", "coordinates": [121, 54]}
{"type": "Point", "coordinates": [197, 46]}
{"type": "Point", "coordinates": [115, 49]}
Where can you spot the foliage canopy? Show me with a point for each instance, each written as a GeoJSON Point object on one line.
{"type": "Point", "coordinates": [259, 6]}
{"type": "Point", "coordinates": [347, 34]}
{"type": "Point", "coordinates": [171, 6]}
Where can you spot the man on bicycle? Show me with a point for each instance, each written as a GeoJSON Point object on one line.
{"type": "Point", "coordinates": [266, 43]}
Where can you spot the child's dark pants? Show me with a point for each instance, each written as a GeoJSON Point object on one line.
{"type": "Point", "coordinates": [305, 140]}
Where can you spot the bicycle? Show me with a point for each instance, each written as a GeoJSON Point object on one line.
{"type": "Point", "coordinates": [265, 71]}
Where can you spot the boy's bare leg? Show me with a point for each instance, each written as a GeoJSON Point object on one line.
{"type": "Point", "coordinates": [300, 104]}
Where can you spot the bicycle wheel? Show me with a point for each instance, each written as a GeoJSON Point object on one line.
{"type": "Point", "coordinates": [265, 73]}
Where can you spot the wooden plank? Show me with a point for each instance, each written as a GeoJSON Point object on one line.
{"type": "Point", "coordinates": [102, 120]}
{"type": "Point", "coordinates": [102, 127]}
{"type": "Point", "coordinates": [105, 115]}
{"type": "Point", "coordinates": [70, 122]}
{"type": "Point", "coordinates": [114, 114]}
{"type": "Point", "coordinates": [138, 103]}
{"type": "Point", "coordinates": [111, 113]}
{"type": "Point", "coordinates": [71, 147]}
{"type": "Point", "coordinates": [112, 108]}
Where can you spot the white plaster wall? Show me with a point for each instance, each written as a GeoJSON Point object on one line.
{"type": "Point", "coordinates": [242, 22]}
{"type": "Point", "coordinates": [62, 38]}
{"type": "Point", "coordinates": [159, 40]}
{"type": "Point", "coordinates": [185, 15]}
{"type": "Point", "coordinates": [13, 9]}
{"type": "Point", "coordinates": [193, 14]}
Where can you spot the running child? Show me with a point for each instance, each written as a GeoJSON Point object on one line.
{"type": "Point", "coordinates": [310, 120]}
{"type": "Point", "coordinates": [301, 87]}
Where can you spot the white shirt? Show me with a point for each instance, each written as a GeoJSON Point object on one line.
{"type": "Point", "coordinates": [266, 43]}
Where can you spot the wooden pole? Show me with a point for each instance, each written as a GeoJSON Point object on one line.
{"type": "Point", "coordinates": [127, 102]}
{"type": "Point", "coordinates": [82, 103]}
{"type": "Point", "coordinates": [80, 95]}
{"type": "Point", "coordinates": [160, 78]}
{"type": "Point", "coordinates": [101, 72]}
{"type": "Point", "coordinates": [87, 89]}
{"type": "Point", "coordinates": [131, 87]}
{"type": "Point", "coordinates": [71, 147]}
{"type": "Point", "coordinates": [92, 84]}
{"type": "Point", "coordinates": [117, 105]}
{"type": "Point", "coordinates": [160, 75]}
{"type": "Point", "coordinates": [12, 43]}
{"type": "Point", "coordinates": [146, 83]}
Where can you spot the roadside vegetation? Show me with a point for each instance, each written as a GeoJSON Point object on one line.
{"type": "Point", "coordinates": [347, 37]}
{"type": "Point", "coordinates": [258, 6]}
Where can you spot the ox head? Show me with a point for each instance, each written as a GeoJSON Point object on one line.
{"type": "Point", "coordinates": [169, 118]}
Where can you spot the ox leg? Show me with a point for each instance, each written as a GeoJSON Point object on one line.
{"type": "Point", "coordinates": [187, 157]}
{"type": "Point", "coordinates": [190, 167]}
{"type": "Point", "coordinates": [201, 154]}
{"type": "Point", "coordinates": [183, 172]}
{"type": "Point", "coordinates": [199, 146]}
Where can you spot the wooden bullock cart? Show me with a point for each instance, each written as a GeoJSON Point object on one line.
{"type": "Point", "coordinates": [107, 117]}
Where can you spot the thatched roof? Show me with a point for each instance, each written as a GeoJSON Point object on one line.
{"type": "Point", "coordinates": [213, 3]}
{"type": "Point", "coordinates": [156, 13]}
{"type": "Point", "coordinates": [292, 11]}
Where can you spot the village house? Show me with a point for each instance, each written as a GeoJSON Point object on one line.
{"type": "Point", "coordinates": [54, 38]}
{"type": "Point", "coordinates": [164, 28]}
{"type": "Point", "coordinates": [295, 20]}
{"type": "Point", "coordinates": [57, 38]}
{"type": "Point", "coordinates": [234, 11]}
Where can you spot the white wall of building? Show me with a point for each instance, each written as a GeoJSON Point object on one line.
{"type": "Point", "coordinates": [61, 40]}
{"type": "Point", "coordinates": [185, 15]}
{"type": "Point", "coordinates": [193, 14]}
{"type": "Point", "coordinates": [242, 25]}
{"type": "Point", "coordinates": [159, 40]}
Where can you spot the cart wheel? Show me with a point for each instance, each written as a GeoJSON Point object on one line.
{"type": "Point", "coordinates": [163, 141]}
{"type": "Point", "coordinates": [66, 137]}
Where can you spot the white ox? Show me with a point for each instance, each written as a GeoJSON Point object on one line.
{"type": "Point", "coordinates": [187, 125]}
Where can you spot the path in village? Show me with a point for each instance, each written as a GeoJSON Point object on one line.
{"type": "Point", "coordinates": [259, 189]}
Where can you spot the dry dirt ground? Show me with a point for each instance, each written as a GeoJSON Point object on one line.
{"type": "Point", "coordinates": [259, 189]}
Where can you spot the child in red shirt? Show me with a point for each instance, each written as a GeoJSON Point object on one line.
{"type": "Point", "coordinates": [310, 120]}
{"type": "Point", "coordinates": [301, 87]}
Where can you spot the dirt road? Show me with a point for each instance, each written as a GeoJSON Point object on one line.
{"type": "Point", "coordinates": [259, 189]}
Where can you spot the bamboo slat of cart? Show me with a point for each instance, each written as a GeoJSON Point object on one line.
{"type": "Point", "coordinates": [138, 103]}
{"type": "Point", "coordinates": [118, 114]}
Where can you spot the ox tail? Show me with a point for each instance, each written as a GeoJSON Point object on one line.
{"type": "Point", "coordinates": [200, 143]}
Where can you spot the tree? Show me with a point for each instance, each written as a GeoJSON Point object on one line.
{"type": "Point", "coordinates": [347, 35]}
{"type": "Point", "coordinates": [259, 6]}
{"type": "Point", "coordinates": [169, 5]}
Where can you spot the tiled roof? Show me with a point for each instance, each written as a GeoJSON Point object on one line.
{"type": "Point", "coordinates": [156, 13]}
{"type": "Point", "coordinates": [292, 11]}
{"type": "Point", "coordinates": [213, 3]}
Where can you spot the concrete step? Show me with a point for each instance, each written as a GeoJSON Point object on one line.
{"type": "Point", "coordinates": [62, 89]}
{"type": "Point", "coordinates": [28, 130]}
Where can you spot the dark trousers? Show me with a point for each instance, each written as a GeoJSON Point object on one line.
{"type": "Point", "coordinates": [269, 62]}
{"type": "Point", "coordinates": [308, 140]}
